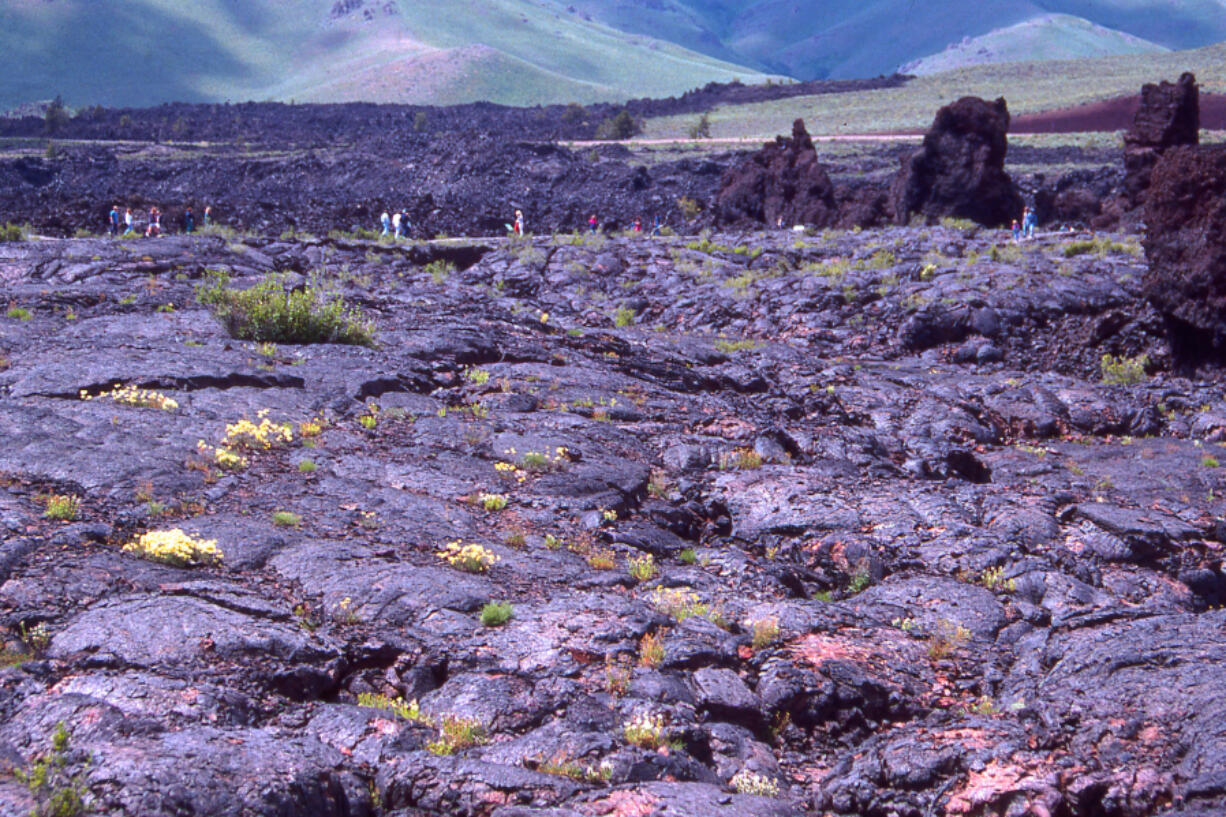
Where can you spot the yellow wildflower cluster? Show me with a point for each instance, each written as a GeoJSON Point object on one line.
{"type": "Point", "coordinates": [311, 428]}
{"type": "Point", "coordinates": [471, 558]}
{"type": "Point", "coordinates": [541, 461]}
{"type": "Point", "coordinates": [509, 471]}
{"type": "Point", "coordinates": [132, 396]}
{"type": "Point", "coordinates": [246, 434]}
{"type": "Point", "coordinates": [682, 603]}
{"type": "Point", "coordinates": [224, 458]}
{"type": "Point", "coordinates": [174, 547]}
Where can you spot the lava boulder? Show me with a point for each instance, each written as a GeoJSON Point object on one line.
{"type": "Point", "coordinates": [960, 171]}
{"type": "Point", "coordinates": [784, 181]}
{"type": "Point", "coordinates": [1185, 243]}
{"type": "Point", "coordinates": [1169, 116]}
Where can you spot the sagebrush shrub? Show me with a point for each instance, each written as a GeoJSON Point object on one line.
{"type": "Point", "coordinates": [272, 312]}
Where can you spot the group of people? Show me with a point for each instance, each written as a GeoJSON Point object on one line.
{"type": "Point", "coordinates": [1026, 228]}
{"type": "Point", "coordinates": [397, 223]}
{"type": "Point", "coordinates": [125, 224]}
{"type": "Point", "coordinates": [593, 224]}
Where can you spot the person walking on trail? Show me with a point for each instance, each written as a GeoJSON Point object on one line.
{"type": "Point", "coordinates": [386, 221]}
{"type": "Point", "coordinates": [638, 224]}
{"type": "Point", "coordinates": [519, 222]}
{"type": "Point", "coordinates": [396, 224]}
{"type": "Point", "coordinates": [113, 220]}
{"type": "Point", "coordinates": [208, 215]}
{"type": "Point", "coordinates": [405, 223]}
{"type": "Point", "coordinates": [1017, 231]}
{"type": "Point", "coordinates": [189, 221]}
{"type": "Point", "coordinates": [592, 223]}
{"type": "Point", "coordinates": [1029, 222]}
{"type": "Point", "coordinates": [155, 223]}
{"type": "Point", "coordinates": [127, 222]}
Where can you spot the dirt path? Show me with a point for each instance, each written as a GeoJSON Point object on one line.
{"type": "Point", "coordinates": [751, 140]}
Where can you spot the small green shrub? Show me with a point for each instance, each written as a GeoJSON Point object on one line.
{"type": "Point", "coordinates": [651, 650]}
{"type": "Point", "coordinates": [439, 270]}
{"type": "Point", "coordinates": [688, 556]}
{"type": "Point", "coordinates": [623, 317]}
{"type": "Point", "coordinates": [409, 711]}
{"type": "Point", "coordinates": [702, 128]}
{"type": "Point", "coordinates": [682, 603]}
{"type": "Point", "coordinates": [1101, 247]}
{"type": "Point", "coordinates": [731, 347]}
{"type": "Point", "coordinates": [307, 466]}
{"type": "Point", "coordinates": [456, 733]}
{"type": "Point", "coordinates": [859, 582]}
{"type": "Point", "coordinates": [55, 792]}
{"type": "Point", "coordinates": [689, 208]}
{"type": "Point", "coordinates": [62, 507]}
{"type": "Point", "coordinates": [621, 126]}
{"type": "Point", "coordinates": [18, 313]}
{"type": "Point", "coordinates": [496, 613]}
{"type": "Point", "coordinates": [12, 232]}
{"type": "Point", "coordinates": [648, 731]}
{"type": "Point", "coordinates": [643, 568]}
{"type": "Point", "coordinates": [269, 311]}
{"type": "Point", "coordinates": [286, 519]}
{"type": "Point", "coordinates": [742, 459]}
{"type": "Point", "coordinates": [958, 223]}
{"type": "Point", "coordinates": [493, 502]}
{"type": "Point", "coordinates": [765, 632]}
{"type": "Point", "coordinates": [994, 579]}
{"type": "Point", "coordinates": [1123, 371]}
{"type": "Point", "coordinates": [946, 639]}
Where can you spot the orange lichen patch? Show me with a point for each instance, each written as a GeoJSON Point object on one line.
{"type": "Point", "coordinates": [970, 738]}
{"type": "Point", "coordinates": [817, 649]}
{"type": "Point", "coordinates": [384, 726]}
{"type": "Point", "coordinates": [1150, 734]}
{"type": "Point", "coordinates": [624, 804]}
{"type": "Point", "coordinates": [730, 428]}
{"type": "Point", "coordinates": [811, 775]}
{"type": "Point", "coordinates": [986, 787]}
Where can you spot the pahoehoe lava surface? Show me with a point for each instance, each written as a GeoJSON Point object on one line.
{"type": "Point", "coordinates": [912, 555]}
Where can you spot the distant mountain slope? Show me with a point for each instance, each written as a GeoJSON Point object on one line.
{"type": "Point", "coordinates": [857, 38]}
{"type": "Point", "coordinates": [1050, 37]}
{"type": "Point", "coordinates": [142, 52]}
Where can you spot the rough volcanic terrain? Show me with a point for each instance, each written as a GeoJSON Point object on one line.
{"type": "Point", "coordinates": [915, 549]}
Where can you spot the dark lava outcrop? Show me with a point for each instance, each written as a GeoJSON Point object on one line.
{"type": "Point", "coordinates": [782, 182]}
{"type": "Point", "coordinates": [909, 554]}
{"type": "Point", "coordinates": [1169, 116]}
{"type": "Point", "coordinates": [960, 171]}
{"type": "Point", "coordinates": [1185, 214]}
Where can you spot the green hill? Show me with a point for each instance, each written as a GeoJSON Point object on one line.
{"type": "Point", "coordinates": [1051, 37]}
{"type": "Point", "coordinates": [859, 38]}
{"type": "Point", "coordinates": [143, 52]}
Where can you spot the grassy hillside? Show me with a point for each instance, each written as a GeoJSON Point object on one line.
{"type": "Point", "coordinates": [142, 52]}
{"type": "Point", "coordinates": [858, 38]}
{"type": "Point", "coordinates": [1050, 37]}
{"type": "Point", "coordinates": [1028, 87]}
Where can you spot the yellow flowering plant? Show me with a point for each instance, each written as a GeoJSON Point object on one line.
{"type": "Point", "coordinates": [174, 547]}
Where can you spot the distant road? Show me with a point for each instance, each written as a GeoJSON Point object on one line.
{"type": "Point", "coordinates": [752, 140]}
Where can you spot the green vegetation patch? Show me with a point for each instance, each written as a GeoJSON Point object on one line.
{"type": "Point", "coordinates": [271, 311]}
